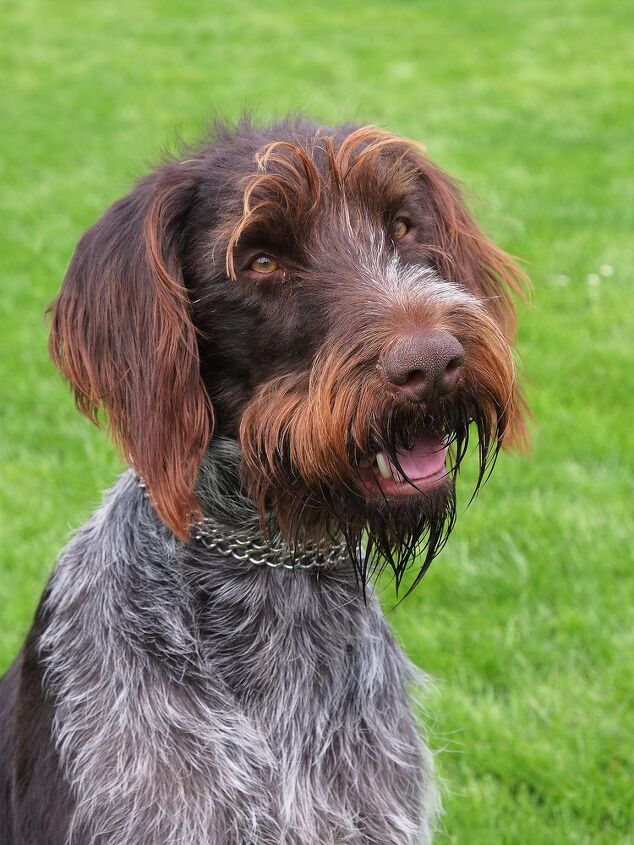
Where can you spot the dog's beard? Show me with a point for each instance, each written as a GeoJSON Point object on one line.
{"type": "Point", "coordinates": [396, 535]}
{"type": "Point", "coordinates": [403, 533]}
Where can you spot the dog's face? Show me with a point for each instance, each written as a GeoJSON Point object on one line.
{"type": "Point", "coordinates": [324, 298]}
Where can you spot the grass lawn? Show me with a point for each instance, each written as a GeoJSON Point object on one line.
{"type": "Point", "coordinates": [526, 619]}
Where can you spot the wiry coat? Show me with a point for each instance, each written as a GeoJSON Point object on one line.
{"type": "Point", "coordinates": [200, 700]}
{"type": "Point", "coordinates": [296, 328]}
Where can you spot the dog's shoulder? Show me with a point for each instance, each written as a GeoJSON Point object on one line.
{"type": "Point", "coordinates": [35, 799]}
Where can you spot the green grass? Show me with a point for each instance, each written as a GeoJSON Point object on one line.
{"type": "Point", "coordinates": [525, 621]}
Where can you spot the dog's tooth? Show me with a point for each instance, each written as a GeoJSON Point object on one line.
{"type": "Point", "coordinates": [384, 465]}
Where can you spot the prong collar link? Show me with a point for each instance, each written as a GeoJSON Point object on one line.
{"type": "Point", "coordinates": [250, 547]}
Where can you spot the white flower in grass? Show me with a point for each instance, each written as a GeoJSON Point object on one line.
{"type": "Point", "coordinates": [562, 280]}
{"type": "Point", "coordinates": [593, 279]}
{"type": "Point", "coordinates": [606, 270]}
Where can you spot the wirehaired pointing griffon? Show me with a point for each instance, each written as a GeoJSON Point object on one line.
{"type": "Point", "coordinates": [293, 332]}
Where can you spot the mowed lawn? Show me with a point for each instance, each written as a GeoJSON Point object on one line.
{"type": "Point", "coordinates": [526, 620]}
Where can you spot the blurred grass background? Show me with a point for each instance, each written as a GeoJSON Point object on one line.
{"type": "Point", "coordinates": [526, 619]}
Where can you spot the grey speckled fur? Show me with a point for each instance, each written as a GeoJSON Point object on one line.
{"type": "Point", "coordinates": [204, 702]}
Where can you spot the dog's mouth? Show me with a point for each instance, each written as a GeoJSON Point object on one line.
{"type": "Point", "coordinates": [411, 471]}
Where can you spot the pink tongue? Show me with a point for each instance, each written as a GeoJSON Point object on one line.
{"type": "Point", "coordinates": [425, 458]}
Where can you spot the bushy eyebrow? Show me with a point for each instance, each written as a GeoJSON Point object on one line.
{"type": "Point", "coordinates": [297, 181]}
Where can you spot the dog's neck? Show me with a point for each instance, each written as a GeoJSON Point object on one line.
{"type": "Point", "coordinates": [232, 526]}
{"type": "Point", "coordinates": [219, 489]}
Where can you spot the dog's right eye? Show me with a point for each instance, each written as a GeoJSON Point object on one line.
{"type": "Point", "coordinates": [264, 264]}
{"type": "Point", "coordinates": [400, 228]}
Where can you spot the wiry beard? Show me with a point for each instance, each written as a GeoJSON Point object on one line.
{"type": "Point", "coordinates": [406, 535]}
{"type": "Point", "coordinates": [402, 535]}
{"type": "Point", "coordinates": [399, 535]}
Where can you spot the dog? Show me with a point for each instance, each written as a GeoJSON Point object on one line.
{"type": "Point", "coordinates": [292, 332]}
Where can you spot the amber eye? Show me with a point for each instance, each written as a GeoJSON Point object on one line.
{"type": "Point", "coordinates": [264, 264]}
{"type": "Point", "coordinates": [399, 229]}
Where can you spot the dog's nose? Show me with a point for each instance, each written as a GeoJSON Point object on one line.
{"type": "Point", "coordinates": [424, 364]}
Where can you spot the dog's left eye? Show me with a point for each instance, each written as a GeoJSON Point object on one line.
{"type": "Point", "coordinates": [400, 228]}
{"type": "Point", "coordinates": [264, 264]}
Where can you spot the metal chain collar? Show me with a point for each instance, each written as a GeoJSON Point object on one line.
{"type": "Point", "coordinates": [251, 547]}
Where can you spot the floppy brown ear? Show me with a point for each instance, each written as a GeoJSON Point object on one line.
{"type": "Point", "coordinates": [464, 254]}
{"type": "Point", "coordinates": [122, 335]}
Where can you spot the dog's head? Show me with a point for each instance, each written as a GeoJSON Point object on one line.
{"type": "Point", "coordinates": [321, 296]}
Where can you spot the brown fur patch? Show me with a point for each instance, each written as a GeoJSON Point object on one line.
{"type": "Point", "coordinates": [122, 335]}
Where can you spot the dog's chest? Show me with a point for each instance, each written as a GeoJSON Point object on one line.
{"type": "Point", "coordinates": [316, 673]}
{"type": "Point", "coordinates": [229, 708]}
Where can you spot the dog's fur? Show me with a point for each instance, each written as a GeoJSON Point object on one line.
{"type": "Point", "coordinates": [170, 694]}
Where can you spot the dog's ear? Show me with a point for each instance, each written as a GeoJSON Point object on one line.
{"type": "Point", "coordinates": [122, 334]}
{"type": "Point", "coordinates": [464, 254]}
